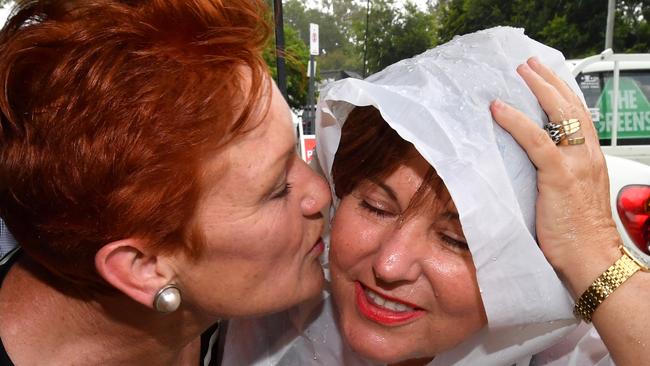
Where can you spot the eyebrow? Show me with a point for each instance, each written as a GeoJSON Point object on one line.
{"type": "Point", "coordinates": [450, 215]}
{"type": "Point", "coordinates": [386, 188]}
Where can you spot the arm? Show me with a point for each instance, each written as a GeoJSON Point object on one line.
{"type": "Point", "coordinates": [575, 227]}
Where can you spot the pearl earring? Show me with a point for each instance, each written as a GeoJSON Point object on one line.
{"type": "Point", "coordinates": [167, 299]}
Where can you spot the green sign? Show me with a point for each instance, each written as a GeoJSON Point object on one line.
{"type": "Point", "coordinates": [633, 111]}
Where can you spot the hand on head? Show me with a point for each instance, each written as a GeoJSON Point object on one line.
{"type": "Point", "coordinates": [574, 221]}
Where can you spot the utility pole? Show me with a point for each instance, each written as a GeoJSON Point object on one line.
{"type": "Point", "coordinates": [279, 47]}
{"type": "Point", "coordinates": [314, 50]}
{"type": "Point", "coordinates": [609, 32]}
{"type": "Point", "coordinates": [365, 40]}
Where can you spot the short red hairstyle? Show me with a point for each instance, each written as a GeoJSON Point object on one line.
{"type": "Point", "coordinates": [107, 108]}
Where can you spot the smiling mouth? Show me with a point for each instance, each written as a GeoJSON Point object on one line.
{"type": "Point", "coordinates": [383, 309]}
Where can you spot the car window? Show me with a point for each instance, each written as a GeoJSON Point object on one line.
{"type": "Point", "coordinates": [634, 106]}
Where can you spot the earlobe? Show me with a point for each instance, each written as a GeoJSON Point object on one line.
{"type": "Point", "coordinates": [129, 267]}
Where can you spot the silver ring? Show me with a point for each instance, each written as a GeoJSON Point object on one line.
{"type": "Point", "coordinates": [555, 132]}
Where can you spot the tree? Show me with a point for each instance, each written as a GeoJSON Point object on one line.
{"type": "Point", "coordinates": [334, 23]}
{"type": "Point", "coordinates": [394, 34]}
{"type": "Point", "coordinates": [576, 27]}
{"type": "Point", "coordinates": [297, 57]}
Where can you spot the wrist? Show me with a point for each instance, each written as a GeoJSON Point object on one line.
{"type": "Point", "coordinates": [580, 267]}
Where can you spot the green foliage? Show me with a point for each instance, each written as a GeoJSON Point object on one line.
{"type": "Point", "coordinates": [296, 59]}
{"type": "Point", "coordinates": [393, 34]}
{"type": "Point", "coordinates": [576, 27]}
{"type": "Point", "coordinates": [334, 21]}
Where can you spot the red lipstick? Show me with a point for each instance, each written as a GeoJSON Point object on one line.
{"type": "Point", "coordinates": [318, 248]}
{"type": "Point", "coordinates": [383, 315]}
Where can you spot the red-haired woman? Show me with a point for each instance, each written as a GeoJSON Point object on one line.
{"type": "Point", "coordinates": [147, 170]}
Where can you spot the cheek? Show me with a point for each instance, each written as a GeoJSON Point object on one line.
{"type": "Point", "coordinates": [262, 237]}
{"type": "Point", "coordinates": [352, 238]}
{"type": "Point", "coordinates": [453, 279]}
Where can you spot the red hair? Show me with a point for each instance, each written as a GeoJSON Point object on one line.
{"type": "Point", "coordinates": [107, 107]}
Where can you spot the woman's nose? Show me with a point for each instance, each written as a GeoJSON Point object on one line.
{"type": "Point", "coordinates": [398, 258]}
{"type": "Point", "coordinates": [316, 195]}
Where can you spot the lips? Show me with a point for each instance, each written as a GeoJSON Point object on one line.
{"type": "Point", "coordinates": [383, 309]}
{"type": "Point", "coordinates": [318, 247]}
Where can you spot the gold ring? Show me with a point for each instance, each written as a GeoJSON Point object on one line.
{"type": "Point", "coordinates": [571, 126]}
{"type": "Point", "coordinates": [576, 141]}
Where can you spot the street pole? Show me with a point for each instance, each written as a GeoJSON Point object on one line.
{"type": "Point", "coordinates": [279, 47]}
{"type": "Point", "coordinates": [314, 50]}
{"type": "Point", "coordinates": [365, 40]}
{"type": "Point", "coordinates": [611, 16]}
{"type": "Point", "coordinates": [312, 112]}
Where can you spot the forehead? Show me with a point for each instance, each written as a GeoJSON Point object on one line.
{"type": "Point", "coordinates": [418, 189]}
{"type": "Point", "coordinates": [409, 174]}
{"type": "Point", "coordinates": [258, 154]}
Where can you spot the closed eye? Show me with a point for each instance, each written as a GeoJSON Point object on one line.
{"type": "Point", "coordinates": [284, 192]}
{"type": "Point", "coordinates": [375, 210]}
{"type": "Point", "coordinates": [454, 242]}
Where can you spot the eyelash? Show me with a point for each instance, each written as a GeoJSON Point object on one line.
{"type": "Point", "coordinates": [454, 242]}
{"type": "Point", "coordinates": [284, 192]}
{"type": "Point", "coordinates": [374, 210]}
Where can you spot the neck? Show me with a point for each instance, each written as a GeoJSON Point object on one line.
{"type": "Point", "coordinates": [108, 330]}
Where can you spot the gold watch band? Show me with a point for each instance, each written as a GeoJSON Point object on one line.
{"type": "Point", "coordinates": [604, 285]}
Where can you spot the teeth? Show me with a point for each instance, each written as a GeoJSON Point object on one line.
{"type": "Point", "coordinates": [378, 300]}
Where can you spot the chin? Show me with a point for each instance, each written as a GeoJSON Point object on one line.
{"type": "Point", "coordinates": [377, 348]}
{"type": "Point", "coordinates": [309, 287]}
{"type": "Point", "coordinates": [315, 285]}
{"type": "Point", "coordinates": [386, 355]}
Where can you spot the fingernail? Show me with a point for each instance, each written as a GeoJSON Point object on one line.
{"type": "Point", "coordinates": [534, 61]}
{"type": "Point", "coordinates": [498, 104]}
{"type": "Point", "coordinates": [524, 68]}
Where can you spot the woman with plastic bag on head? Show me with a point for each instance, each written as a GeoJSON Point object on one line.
{"type": "Point", "coordinates": [433, 254]}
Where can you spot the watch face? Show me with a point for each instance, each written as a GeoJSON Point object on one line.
{"type": "Point", "coordinates": [639, 256]}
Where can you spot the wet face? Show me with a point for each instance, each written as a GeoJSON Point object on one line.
{"type": "Point", "coordinates": [405, 287]}
{"type": "Point", "coordinates": [260, 222]}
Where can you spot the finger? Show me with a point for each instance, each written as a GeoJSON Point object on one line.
{"type": "Point", "coordinates": [567, 93]}
{"type": "Point", "coordinates": [552, 102]}
{"type": "Point", "coordinates": [535, 141]}
{"type": "Point", "coordinates": [551, 77]}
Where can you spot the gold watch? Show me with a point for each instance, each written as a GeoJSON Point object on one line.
{"type": "Point", "coordinates": [632, 260]}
